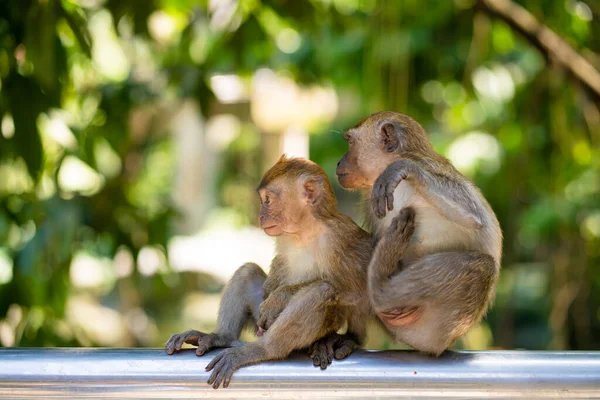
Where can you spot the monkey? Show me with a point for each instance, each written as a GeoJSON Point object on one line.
{"type": "Point", "coordinates": [316, 283]}
{"type": "Point", "coordinates": [438, 243]}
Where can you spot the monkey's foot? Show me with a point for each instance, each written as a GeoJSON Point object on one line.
{"type": "Point", "coordinates": [223, 366]}
{"type": "Point", "coordinates": [402, 226]}
{"type": "Point", "coordinates": [345, 346]}
{"type": "Point", "coordinates": [177, 340]}
{"type": "Point", "coordinates": [324, 350]}
{"type": "Point", "coordinates": [204, 344]}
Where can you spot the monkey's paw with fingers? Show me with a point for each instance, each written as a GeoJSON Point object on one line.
{"type": "Point", "coordinates": [202, 340]}
{"type": "Point", "coordinates": [335, 345]}
{"type": "Point", "coordinates": [223, 366]}
{"type": "Point", "coordinates": [382, 195]}
{"type": "Point", "coordinates": [177, 340]}
{"type": "Point", "coordinates": [269, 311]}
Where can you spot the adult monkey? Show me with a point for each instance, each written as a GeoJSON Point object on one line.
{"type": "Point", "coordinates": [317, 279]}
{"type": "Point", "coordinates": [435, 267]}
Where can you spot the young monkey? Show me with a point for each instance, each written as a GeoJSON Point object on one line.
{"type": "Point", "coordinates": [434, 270]}
{"type": "Point", "coordinates": [317, 279]}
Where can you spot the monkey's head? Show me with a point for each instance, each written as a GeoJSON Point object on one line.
{"type": "Point", "coordinates": [293, 189]}
{"type": "Point", "coordinates": [376, 142]}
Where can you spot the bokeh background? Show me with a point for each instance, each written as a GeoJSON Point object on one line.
{"type": "Point", "coordinates": [134, 132]}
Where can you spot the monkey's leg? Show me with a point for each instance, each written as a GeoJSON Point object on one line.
{"type": "Point", "coordinates": [311, 314]}
{"type": "Point", "coordinates": [240, 302]}
{"type": "Point", "coordinates": [387, 256]}
{"type": "Point", "coordinates": [435, 300]}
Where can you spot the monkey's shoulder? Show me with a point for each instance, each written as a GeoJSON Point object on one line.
{"type": "Point", "coordinates": [350, 241]}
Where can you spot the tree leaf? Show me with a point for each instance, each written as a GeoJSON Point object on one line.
{"type": "Point", "coordinates": [40, 42]}
{"type": "Point", "coordinates": [78, 24]}
{"type": "Point", "coordinates": [26, 101]}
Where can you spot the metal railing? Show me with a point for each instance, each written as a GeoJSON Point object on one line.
{"type": "Point", "coordinates": [150, 373]}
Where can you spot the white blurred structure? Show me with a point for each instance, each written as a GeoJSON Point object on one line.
{"type": "Point", "coordinates": [286, 112]}
{"type": "Point", "coordinates": [193, 192]}
{"type": "Point", "coordinates": [221, 252]}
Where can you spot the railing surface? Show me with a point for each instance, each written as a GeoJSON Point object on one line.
{"type": "Point", "coordinates": [150, 373]}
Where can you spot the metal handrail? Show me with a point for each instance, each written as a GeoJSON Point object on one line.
{"type": "Point", "coordinates": [150, 373]}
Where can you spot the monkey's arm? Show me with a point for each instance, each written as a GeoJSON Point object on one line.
{"type": "Point", "coordinates": [451, 197]}
{"type": "Point", "coordinates": [277, 301]}
{"type": "Point", "coordinates": [277, 274]}
{"type": "Point", "coordinates": [287, 291]}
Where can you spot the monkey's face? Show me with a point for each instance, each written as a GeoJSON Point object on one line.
{"type": "Point", "coordinates": [282, 208]}
{"type": "Point", "coordinates": [367, 155]}
{"type": "Point", "coordinates": [376, 142]}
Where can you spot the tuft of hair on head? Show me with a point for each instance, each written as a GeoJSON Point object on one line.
{"type": "Point", "coordinates": [291, 167]}
{"type": "Point", "coordinates": [312, 176]}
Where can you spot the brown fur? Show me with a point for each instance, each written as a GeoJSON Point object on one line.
{"type": "Point", "coordinates": [434, 270]}
{"type": "Point", "coordinates": [317, 280]}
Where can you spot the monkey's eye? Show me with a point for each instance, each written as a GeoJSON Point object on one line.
{"type": "Point", "coordinates": [267, 200]}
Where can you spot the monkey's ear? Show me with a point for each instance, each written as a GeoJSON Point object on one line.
{"type": "Point", "coordinates": [313, 189]}
{"type": "Point", "coordinates": [390, 137]}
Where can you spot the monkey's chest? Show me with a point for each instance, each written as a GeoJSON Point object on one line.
{"type": "Point", "coordinates": [302, 266]}
{"type": "Point", "coordinates": [433, 231]}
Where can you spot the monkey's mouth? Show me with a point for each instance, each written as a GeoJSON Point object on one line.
{"type": "Point", "coordinates": [271, 230]}
{"type": "Point", "coordinates": [345, 181]}
{"type": "Point", "coordinates": [341, 177]}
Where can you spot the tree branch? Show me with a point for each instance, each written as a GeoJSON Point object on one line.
{"type": "Point", "coordinates": [547, 41]}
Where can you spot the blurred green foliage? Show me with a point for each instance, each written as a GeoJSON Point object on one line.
{"type": "Point", "coordinates": [90, 82]}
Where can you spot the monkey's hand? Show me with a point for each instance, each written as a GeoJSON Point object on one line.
{"type": "Point", "coordinates": [195, 338]}
{"type": "Point", "coordinates": [335, 345]}
{"type": "Point", "coordinates": [382, 196]}
{"type": "Point", "coordinates": [271, 308]}
{"type": "Point", "coordinates": [224, 365]}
